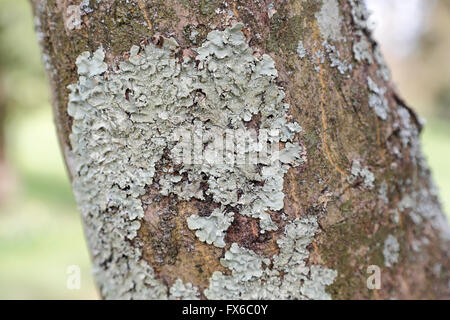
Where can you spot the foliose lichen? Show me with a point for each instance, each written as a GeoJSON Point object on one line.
{"type": "Point", "coordinates": [391, 251]}
{"type": "Point", "coordinates": [329, 20]}
{"type": "Point", "coordinates": [377, 99]}
{"type": "Point", "coordinates": [335, 59]}
{"type": "Point", "coordinates": [244, 263]}
{"type": "Point", "coordinates": [361, 172]}
{"type": "Point", "coordinates": [283, 274]}
{"type": "Point", "coordinates": [361, 50]}
{"type": "Point", "coordinates": [383, 71]}
{"type": "Point", "coordinates": [125, 124]}
{"type": "Point", "coordinates": [180, 291]}
{"type": "Point", "coordinates": [301, 51]}
{"type": "Point", "coordinates": [211, 229]}
{"type": "Point", "coordinates": [422, 205]}
{"type": "Point", "coordinates": [409, 133]}
{"type": "Point", "coordinates": [360, 14]}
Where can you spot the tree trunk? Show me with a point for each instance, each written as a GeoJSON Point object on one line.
{"type": "Point", "coordinates": [347, 198]}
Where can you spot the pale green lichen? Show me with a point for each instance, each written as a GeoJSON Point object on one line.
{"type": "Point", "coordinates": [409, 133]}
{"type": "Point", "coordinates": [391, 251]}
{"type": "Point", "coordinates": [361, 50]}
{"type": "Point", "coordinates": [383, 72]}
{"type": "Point", "coordinates": [107, 188]}
{"type": "Point", "coordinates": [329, 20]}
{"type": "Point", "coordinates": [422, 205]}
{"type": "Point", "coordinates": [335, 59]}
{"type": "Point", "coordinates": [314, 287]}
{"type": "Point", "coordinates": [377, 99]}
{"type": "Point", "coordinates": [357, 171]}
{"type": "Point", "coordinates": [91, 66]}
{"type": "Point", "coordinates": [301, 51]}
{"type": "Point", "coordinates": [243, 263]}
{"type": "Point", "coordinates": [211, 229]}
{"type": "Point", "coordinates": [360, 14]}
{"type": "Point", "coordinates": [124, 123]}
{"type": "Point", "coordinates": [283, 275]}
{"type": "Point", "coordinates": [180, 291]}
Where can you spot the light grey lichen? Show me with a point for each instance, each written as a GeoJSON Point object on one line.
{"type": "Point", "coordinates": [422, 206]}
{"type": "Point", "coordinates": [85, 7]}
{"type": "Point", "coordinates": [360, 14]}
{"type": "Point", "coordinates": [314, 287]}
{"type": "Point", "coordinates": [383, 71]}
{"type": "Point", "coordinates": [301, 51]}
{"type": "Point", "coordinates": [180, 291]}
{"type": "Point", "coordinates": [211, 229]}
{"type": "Point", "coordinates": [377, 99]}
{"type": "Point", "coordinates": [329, 20]}
{"type": "Point", "coordinates": [124, 123]}
{"type": "Point", "coordinates": [282, 277]}
{"type": "Point", "coordinates": [91, 66]}
{"type": "Point", "coordinates": [409, 133]}
{"type": "Point", "coordinates": [361, 172]}
{"type": "Point", "coordinates": [243, 263]}
{"type": "Point", "coordinates": [335, 59]}
{"type": "Point", "coordinates": [395, 216]}
{"type": "Point", "coordinates": [391, 251]}
{"type": "Point", "coordinates": [193, 36]}
{"type": "Point", "coordinates": [74, 13]}
{"type": "Point", "coordinates": [382, 192]}
{"type": "Point", "coordinates": [321, 53]}
{"type": "Point", "coordinates": [361, 50]}
{"type": "Point", "coordinates": [72, 17]}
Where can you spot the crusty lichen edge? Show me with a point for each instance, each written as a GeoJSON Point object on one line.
{"type": "Point", "coordinates": [114, 154]}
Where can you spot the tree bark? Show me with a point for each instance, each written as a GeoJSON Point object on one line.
{"type": "Point", "coordinates": [351, 195]}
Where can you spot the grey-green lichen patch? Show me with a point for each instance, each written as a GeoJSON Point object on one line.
{"type": "Point", "coordinates": [105, 187]}
{"type": "Point", "coordinates": [243, 263]}
{"type": "Point", "coordinates": [321, 53]}
{"type": "Point", "coordinates": [377, 99]}
{"type": "Point", "coordinates": [125, 123]}
{"type": "Point", "coordinates": [73, 15]}
{"type": "Point", "coordinates": [421, 206]}
{"type": "Point", "coordinates": [383, 72]}
{"type": "Point", "coordinates": [364, 173]}
{"type": "Point", "coordinates": [180, 291]}
{"type": "Point", "coordinates": [85, 7]}
{"type": "Point", "coordinates": [282, 277]}
{"type": "Point", "coordinates": [382, 192]}
{"type": "Point", "coordinates": [335, 59]}
{"type": "Point", "coordinates": [361, 50]}
{"type": "Point", "coordinates": [91, 66]}
{"type": "Point", "coordinates": [329, 20]}
{"type": "Point", "coordinates": [301, 51]}
{"type": "Point", "coordinates": [391, 251]}
{"type": "Point", "coordinates": [409, 133]}
{"type": "Point", "coordinates": [314, 287]}
{"type": "Point", "coordinates": [360, 14]}
{"type": "Point", "coordinates": [211, 229]}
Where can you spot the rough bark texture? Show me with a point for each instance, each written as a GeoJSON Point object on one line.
{"type": "Point", "coordinates": [360, 196]}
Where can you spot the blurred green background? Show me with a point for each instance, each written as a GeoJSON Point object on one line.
{"type": "Point", "coordinates": [40, 229]}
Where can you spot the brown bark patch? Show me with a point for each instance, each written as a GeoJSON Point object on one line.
{"type": "Point", "coordinates": [170, 247]}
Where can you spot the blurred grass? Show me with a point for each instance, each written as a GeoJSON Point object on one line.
{"type": "Point", "coordinates": [436, 147]}
{"type": "Point", "coordinates": [40, 228]}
